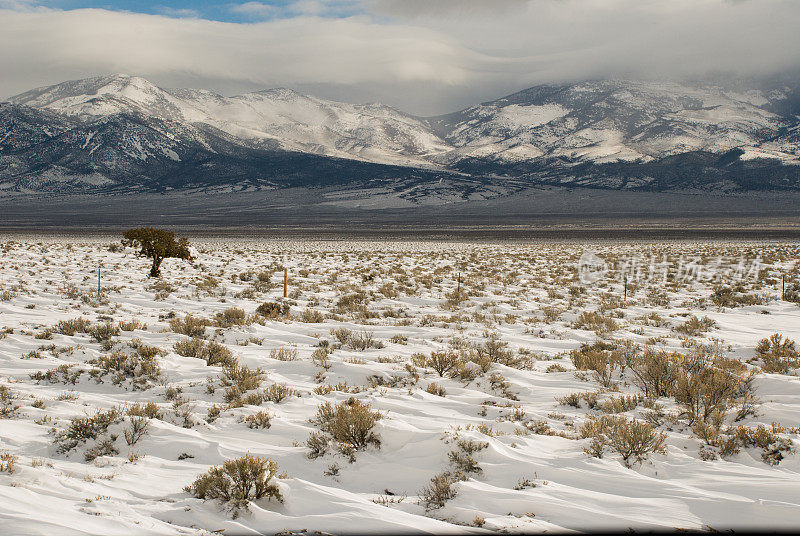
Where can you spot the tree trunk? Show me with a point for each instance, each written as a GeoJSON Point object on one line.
{"type": "Point", "coordinates": [155, 271]}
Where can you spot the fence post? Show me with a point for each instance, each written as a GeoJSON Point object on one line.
{"type": "Point", "coordinates": [285, 280]}
{"type": "Point", "coordinates": [625, 287]}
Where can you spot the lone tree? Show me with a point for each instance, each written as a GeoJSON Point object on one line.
{"type": "Point", "coordinates": [157, 244]}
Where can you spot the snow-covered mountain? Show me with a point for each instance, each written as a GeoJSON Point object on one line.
{"type": "Point", "coordinates": [123, 132]}
{"type": "Point", "coordinates": [619, 121]}
{"type": "Point", "coordinates": [275, 118]}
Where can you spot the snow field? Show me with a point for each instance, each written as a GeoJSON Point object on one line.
{"type": "Point", "coordinates": [526, 299]}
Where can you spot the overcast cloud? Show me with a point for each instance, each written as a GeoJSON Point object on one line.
{"type": "Point", "coordinates": [421, 56]}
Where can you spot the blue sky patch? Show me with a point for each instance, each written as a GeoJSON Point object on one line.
{"type": "Point", "coordinates": [226, 11]}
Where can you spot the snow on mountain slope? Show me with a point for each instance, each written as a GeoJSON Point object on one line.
{"type": "Point", "coordinates": [104, 96]}
{"type": "Point", "coordinates": [282, 118]}
{"type": "Point", "coordinates": [371, 132]}
{"type": "Point", "coordinates": [630, 134]}
{"type": "Point", "coordinates": [610, 121]}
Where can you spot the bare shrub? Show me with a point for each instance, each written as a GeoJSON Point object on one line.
{"type": "Point", "coordinates": [654, 372]}
{"type": "Point", "coordinates": [318, 444]}
{"type": "Point", "coordinates": [320, 357]}
{"type": "Point", "coordinates": [71, 327]}
{"type": "Point", "coordinates": [601, 358]}
{"type": "Point", "coordinates": [238, 379]}
{"type": "Point", "coordinates": [141, 371]}
{"type": "Point", "coordinates": [7, 295]}
{"type": "Point", "coordinates": [285, 353]}
{"type": "Point", "coordinates": [435, 389]}
{"type": "Point", "coordinates": [350, 423]}
{"type": "Point", "coordinates": [104, 332]}
{"type": "Point", "coordinates": [184, 411]}
{"type": "Point", "coordinates": [462, 458]}
{"type": "Point", "coordinates": [162, 290]}
{"type": "Point", "coordinates": [217, 354]}
{"type": "Point", "coordinates": [777, 354]}
{"type": "Point", "coordinates": [620, 404]}
{"type": "Point", "coordinates": [261, 281]}
{"type": "Point", "coordinates": [258, 420]}
{"type": "Point", "coordinates": [131, 325]}
{"type": "Point", "coordinates": [709, 384]}
{"type": "Point", "coordinates": [574, 399]}
{"type": "Point", "coordinates": [273, 310]}
{"type": "Point", "coordinates": [103, 447]}
{"type": "Point", "coordinates": [772, 445]}
{"type": "Point", "coordinates": [189, 348]}
{"type": "Point", "coordinates": [455, 297]}
{"type": "Point", "coordinates": [136, 429]}
{"type": "Point", "coordinates": [442, 362]}
{"type": "Point", "coordinates": [238, 482]}
{"type": "Point", "coordinates": [212, 352]}
{"type": "Point", "coordinates": [633, 440]}
{"type": "Point", "coordinates": [657, 297]}
{"type": "Point", "coordinates": [149, 410]}
{"type": "Point", "coordinates": [352, 303]}
{"type": "Point", "coordinates": [312, 316]}
{"type": "Point", "coordinates": [500, 385]}
{"type": "Point", "coordinates": [733, 297]}
{"type": "Point", "coordinates": [465, 371]}
{"type": "Point", "coordinates": [82, 429]}
{"type": "Point", "coordinates": [360, 341]}
{"type": "Point", "coordinates": [277, 392]}
{"type": "Point", "coordinates": [145, 351]}
{"type": "Point", "coordinates": [596, 322]}
{"type": "Point", "coordinates": [342, 335]}
{"type": "Point", "coordinates": [439, 491]}
{"type": "Point", "coordinates": [232, 316]}
{"type": "Point", "coordinates": [7, 462]}
{"type": "Point", "coordinates": [695, 327]}
{"type": "Point", "coordinates": [363, 340]}
{"type": "Point", "coordinates": [191, 326]}
{"type": "Point", "coordinates": [208, 286]}
{"type": "Point", "coordinates": [399, 339]}
{"type": "Point", "coordinates": [551, 313]}
{"type": "Point", "coordinates": [213, 413]}
{"type": "Point", "coordinates": [495, 350]}
{"type": "Point", "coordinates": [64, 373]}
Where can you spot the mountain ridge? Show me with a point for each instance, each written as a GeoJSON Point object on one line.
{"type": "Point", "coordinates": [122, 132]}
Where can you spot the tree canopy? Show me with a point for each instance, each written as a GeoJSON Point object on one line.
{"type": "Point", "coordinates": [156, 244]}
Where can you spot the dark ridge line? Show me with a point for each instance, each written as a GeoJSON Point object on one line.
{"type": "Point", "coordinates": [429, 234]}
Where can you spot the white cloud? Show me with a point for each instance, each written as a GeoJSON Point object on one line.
{"type": "Point", "coordinates": [449, 8]}
{"type": "Point", "coordinates": [256, 9]}
{"type": "Point", "coordinates": [314, 8]}
{"type": "Point", "coordinates": [423, 57]}
{"type": "Point", "coordinates": [179, 13]}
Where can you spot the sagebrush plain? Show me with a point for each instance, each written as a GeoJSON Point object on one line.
{"type": "Point", "coordinates": [399, 386]}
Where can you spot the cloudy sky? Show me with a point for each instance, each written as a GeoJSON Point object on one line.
{"type": "Point", "coordinates": [422, 56]}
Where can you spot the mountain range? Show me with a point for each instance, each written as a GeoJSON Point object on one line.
{"type": "Point", "coordinates": [123, 134]}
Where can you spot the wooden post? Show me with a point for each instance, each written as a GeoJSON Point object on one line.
{"type": "Point", "coordinates": [285, 280]}
{"type": "Point", "coordinates": [625, 286]}
{"type": "Point", "coordinates": [458, 289]}
{"type": "Point", "coordinates": [98, 280]}
{"type": "Point", "coordinates": [783, 287]}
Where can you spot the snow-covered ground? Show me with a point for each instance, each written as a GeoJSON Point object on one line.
{"type": "Point", "coordinates": [523, 300]}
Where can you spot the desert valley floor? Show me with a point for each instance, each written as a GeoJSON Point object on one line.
{"type": "Point", "coordinates": [498, 386]}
